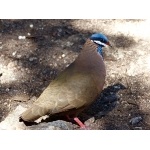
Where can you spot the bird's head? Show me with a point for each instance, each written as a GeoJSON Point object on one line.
{"type": "Point", "coordinates": [101, 40]}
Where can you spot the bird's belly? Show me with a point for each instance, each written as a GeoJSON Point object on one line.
{"type": "Point", "coordinates": [76, 92]}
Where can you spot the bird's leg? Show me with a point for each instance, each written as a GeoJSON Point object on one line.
{"type": "Point", "coordinates": [79, 123]}
{"type": "Point", "coordinates": [76, 119]}
{"type": "Point", "coordinates": [68, 118]}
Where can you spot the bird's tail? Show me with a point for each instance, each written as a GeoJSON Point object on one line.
{"type": "Point", "coordinates": [33, 113]}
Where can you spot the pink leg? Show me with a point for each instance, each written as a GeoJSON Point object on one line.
{"type": "Point", "coordinates": [76, 119]}
{"type": "Point", "coordinates": [79, 123]}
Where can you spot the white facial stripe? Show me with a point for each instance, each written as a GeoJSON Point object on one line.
{"type": "Point", "coordinates": [99, 42]}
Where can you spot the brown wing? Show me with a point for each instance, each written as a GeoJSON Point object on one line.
{"type": "Point", "coordinates": [69, 90]}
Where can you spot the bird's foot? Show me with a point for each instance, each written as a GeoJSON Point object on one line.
{"type": "Point", "coordinates": [82, 125]}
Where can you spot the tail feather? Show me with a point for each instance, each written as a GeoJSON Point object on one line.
{"type": "Point", "coordinates": [33, 113]}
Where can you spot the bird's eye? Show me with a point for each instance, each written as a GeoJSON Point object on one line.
{"type": "Point", "coordinates": [102, 40]}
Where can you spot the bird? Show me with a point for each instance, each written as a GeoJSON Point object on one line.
{"type": "Point", "coordinates": [76, 87]}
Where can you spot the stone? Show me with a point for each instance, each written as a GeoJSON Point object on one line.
{"type": "Point", "coordinates": [135, 120]}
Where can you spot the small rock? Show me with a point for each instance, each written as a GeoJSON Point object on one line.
{"type": "Point", "coordinates": [22, 97]}
{"type": "Point", "coordinates": [113, 75]}
{"type": "Point", "coordinates": [32, 58]}
{"type": "Point", "coordinates": [63, 55]}
{"type": "Point", "coordinates": [59, 30]}
{"type": "Point", "coordinates": [29, 34]}
{"type": "Point", "coordinates": [18, 56]}
{"type": "Point", "coordinates": [51, 72]}
{"type": "Point", "coordinates": [54, 56]}
{"type": "Point", "coordinates": [14, 53]}
{"type": "Point", "coordinates": [31, 25]}
{"type": "Point", "coordinates": [7, 89]}
{"type": "Point", "coordinates": [55, 125]}
{"type": "Point", "coordinates": [21, 37]}
{"type": "Point", "coordinates": [43, 126]}
{"type": "Point", "coordinates": [33, 98]}
{"type": "Point", "coordinates": [135, 120]}
{"type": "Point", "coordinates": [55, 65]}
{"type": "Point", "coordinates": [89, 121]}
{"type": "Point", "coordinates": [117, 87]}
{"type": "Point", "coordinates": [68, 44]}
{"type": "Point", "coordinates": [11, 122]}
{"type": "Point", "coordinates": [5, 103]}
{"type": "Point", "coordinates": [138, 128]}
{"type": "Point", "coordinates": [65, 61]}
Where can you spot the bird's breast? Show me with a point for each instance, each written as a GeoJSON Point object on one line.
{"type": "Point", "coordinates": [92, 64]}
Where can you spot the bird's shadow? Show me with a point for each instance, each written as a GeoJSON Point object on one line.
{"type": "Point", "coordinates": [105, 103]}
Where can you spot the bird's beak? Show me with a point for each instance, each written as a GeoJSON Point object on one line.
{"type": "Point", "coordinates": [108, 43]}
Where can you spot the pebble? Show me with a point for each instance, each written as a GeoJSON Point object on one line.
{"type": "Point", "coordinates": [55, 125]}
{"type": "Point", "coordinates": [7, 89]}
{"type": "Point", "coordinates": [51, 72]}
{"type": "Point", "coordinates": [117, 87]}
{"type": "Point", "coordinates": [138, 128]}
{"type": "Point", "coordinates": [53, 56]}
{"type": "Point", "coordinates": [22, 97]}
{"type": "Point", "coordinates": [5, 103]}
{"type": "Point", "coordinates": [89, 121]}
{"type": "Point", "coordinates": [31, 25]}
{"type": "Point", "coordinates": [135, 120]}
{"type": "Point", "coordinates": [68, 44]}
{"type": "Point", "coordinates": [65, 61]}
{"type": "Point", "coordinates": [113, 75]}
{"type": "Point", "coordinates": [32, 58]}
{"type": "Point", "coordinates": [63, 55]}
{"type": "Point", "coordinates": [59, 30]}
{"type": "Point", "coordinates": [21, 37]}
{"type": "Point", "coordinates": [29, 34]}
{"type": "Point", "coordinates": [18, 56]}
{"type": "Point", "coordinates": [14, 53]}
{"type": "Point", "coordinates": [55, 64]}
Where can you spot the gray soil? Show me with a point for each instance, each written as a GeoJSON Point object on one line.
{"type": "Point", "coordinates": [28, 65]}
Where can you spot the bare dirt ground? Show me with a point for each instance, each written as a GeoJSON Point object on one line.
{"type": "Point", "coordinates": [28, 65]}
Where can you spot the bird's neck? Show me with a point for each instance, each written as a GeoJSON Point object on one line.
{"type": "Point", "coordinates": [89, 56]}
{"type": "Point", "coordinates": [91, 46]}
{"type": "Point", "coordinates": [100, 50]}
